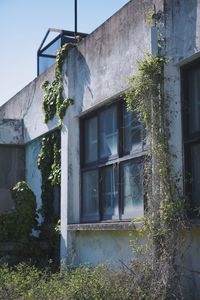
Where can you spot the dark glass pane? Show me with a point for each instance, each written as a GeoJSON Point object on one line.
{"type": "Point", "coordinates": [131, 132]}
{"type": "Point", "coordinates": [195, 153]}
{"type": "Point", "coordinates": [90, 140]}
{"type": "Point", "coordinates": [90, 195]}
{"type": "Point", "coordinates": [194, 100]}
{"type": "Point", "coordinates": [108, 132]}
{"type": "Point", "coordinates": [132, 180]}
{"type": "Point", "coordinates": [109, 192]}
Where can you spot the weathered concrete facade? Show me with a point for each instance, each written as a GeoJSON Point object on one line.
{"type": "Point", "coordinates": [95, 77]}
{"type": "Point", "coordinates": [95, 74]}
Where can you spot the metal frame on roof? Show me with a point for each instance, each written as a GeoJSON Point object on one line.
{"type": "Point", "coordinates": [64, 35]}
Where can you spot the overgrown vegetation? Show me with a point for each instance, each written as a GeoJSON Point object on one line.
{"type": "Point", "coordinates": [49, 165]}
{"type": "Point", "coordinates": [54, 102]}
{"type": "Point", "coordinates": [25, 282]}
{"type": "Point", "coordinates": [18, 224]}
{"type": "Point", "coordinates": [159, 275]}
{"type": "Point", "coordinates": [49, 158]}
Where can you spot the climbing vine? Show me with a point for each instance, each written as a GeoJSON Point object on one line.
{"type": "Point", "coordinates": [53, 101]}
{"type": "Point", "coordinates": [164, 218]}
{"type": "Point", "coordinates": [49, 157]}
{"type": "Point", "coordinates": [49, 164]}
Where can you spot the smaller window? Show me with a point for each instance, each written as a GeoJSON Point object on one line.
{"type": "Point", "coordinates": [91, 195]}
{"type": "Point", "coordinates": [132, 189]}
{"type": "Point", "coordinates": [194, 100]}
{"type": "Point", "coordinates": [132, 132]}
{"type": "Point", "coordinates": [108, 133]}
{"type": "Point", "coordinates": [91, 140]}
{"type": "Point", "coordinates": [191, 133]}
{"type": "Point", "coordinates": [109, 193]}
{"type": "Point", "coordinates": [195, 169]}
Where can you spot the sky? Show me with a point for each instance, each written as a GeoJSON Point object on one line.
{"type": "Point", "coordinates": [23, 24]}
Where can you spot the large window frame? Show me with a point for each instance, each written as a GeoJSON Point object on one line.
{"type": "Point", "coordinates": [117, 162]}
{"type": "Point", "coordinates": [191, 136]}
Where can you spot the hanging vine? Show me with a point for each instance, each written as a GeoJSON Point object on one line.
{"type": "Point", "coordinates": [53, 101]}
{"type": "Point", "coordinates": [49, 160]}
{"type": "Point", "coordinates": [165, 217]}
{"type": "Point", "coordinates": [49, 164]}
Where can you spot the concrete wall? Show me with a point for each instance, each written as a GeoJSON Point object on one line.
{"type": "Point", "coordinates": [182, 37]}
{"type": "Point", "coordinates": [94, 73]}
{"type": "Point", "coordinates": [100, 247]}
{"type": "Point", "coordinates": [182, 44]}
{"type": "Point", "coordinates": [11, 131]}
{"type": "Point", "coordinates": [27, 105]}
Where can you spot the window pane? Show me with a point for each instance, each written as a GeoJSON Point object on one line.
{"type": "Point", "coordinates": [132, 194]}
{"type": "Point", "coordinates": [53, 48]}
{"type": "Point", "coordinates": [91, 140]}
{"type": "Point", "coordinates": [108, 132]}
{"type": "Point", "coordinates": [195, 151]}
{"type": "Point", "coordinates": [90, 194]}
{"type": "Point", "coordinates": [110, 193]}
{"type": "Point", "coordinates": [194, 100]}
{"type": "Point", "coordinates": [45, 63]}
{"type": "Point", "coordinates": [131, 132]}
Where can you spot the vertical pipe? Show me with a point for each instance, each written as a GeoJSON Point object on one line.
{"type": "Point", "coordinates": [75, 17]}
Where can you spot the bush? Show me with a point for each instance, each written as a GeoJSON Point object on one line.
{"type": "Point", "coordinates": [18, 224]}
{"type": "Point", "coordinates": [27, 282]}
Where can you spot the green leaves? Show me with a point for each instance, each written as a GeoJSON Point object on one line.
{"type": "Point", "coordinates": [49, 163]}
{"type": "Point", "coordinates": [145, 86]}
{"type": "Point", "coordinates": [164, 218]}
{"type": "Point", "coordinates": [28, 282]}
{"type": "Point", "coordinates": [53, 100]}
{"type": "Point", "coordinates": [18, 224]}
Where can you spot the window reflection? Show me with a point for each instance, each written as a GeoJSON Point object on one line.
{"type": "Point", "coordinates": [91, 140]}
{"type": "Point", "coordinates": [108, 132]}
{"type": "Point", "coordinates": [194, 104]}
{"type": "Point", "coordinates": [132, 189]}
{"type": "Point", "coordinates": [90, 194]}
{"type": "Point", "coordinates": [109, 192]}
{"type": "Point", "coordinates": [132, 132]}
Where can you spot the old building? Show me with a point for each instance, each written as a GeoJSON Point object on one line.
{"type": "Point", "coordinates": [101, 143]}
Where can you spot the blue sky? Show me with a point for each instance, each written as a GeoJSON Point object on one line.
{"type": "Point", "coordinates": [23, 25]}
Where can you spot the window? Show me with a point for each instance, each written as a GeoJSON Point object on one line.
{"type": "Point", "coordinates": [112, 165]}
{"type": "Point", "coordinates": [191, 132]}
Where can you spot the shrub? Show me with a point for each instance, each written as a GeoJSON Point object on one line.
{"type": "Point", "coordinates": [18, 224]}
{"type": "Point", "coordinates": [27, 282]}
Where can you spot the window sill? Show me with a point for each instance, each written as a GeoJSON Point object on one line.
{"type": "Point", "coordinates": [109, 226]}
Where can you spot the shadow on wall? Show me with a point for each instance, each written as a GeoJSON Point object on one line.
{"type": "Point", "coordinates": [77, 79]}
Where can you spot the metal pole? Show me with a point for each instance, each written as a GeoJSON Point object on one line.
{"type": "Point", "coordinates": [75, 20]}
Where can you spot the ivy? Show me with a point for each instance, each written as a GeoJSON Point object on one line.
{"type": "Point", "coordinates": [53, 101]}
{"type": "Point", "coordinates": [18, 224]}
{"type": "Point", "coordinates": [165, 216]}
{"type": "Point", "coordinates": [49, 158]}
{"type": "Point", "coordinates": [49, 164]}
